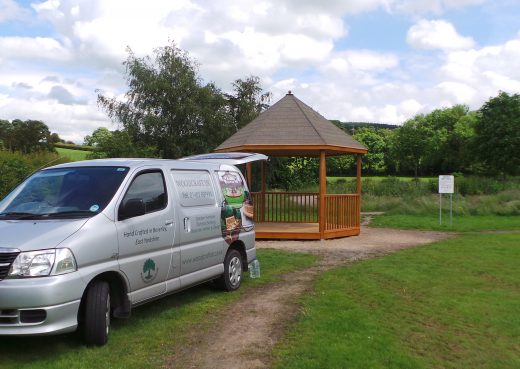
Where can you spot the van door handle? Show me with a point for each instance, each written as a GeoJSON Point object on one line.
{"type": "Point", "coordinates": [187, 226]}
{"type": "Point", "coordinates": [169, 222]}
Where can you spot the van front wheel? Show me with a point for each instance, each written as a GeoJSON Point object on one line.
{"type": "Point", "coordinates": [232, 276]}
{"type": "Point", "coordinates": [97, 314]}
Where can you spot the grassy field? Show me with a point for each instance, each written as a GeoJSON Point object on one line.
{"type": "Point", "coordinates": [461, 223]}
{"type": "Point", "coordinates": [153, 332]}
{"type": "Point", "coordinates": [73, 155]}
{"type": "Point", "coordinates": [454, 304]}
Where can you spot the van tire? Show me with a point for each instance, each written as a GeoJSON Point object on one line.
{"type": "Point", "coordinates": [232, 277]}
{"type": "Point", "coordinates": [96, 325]}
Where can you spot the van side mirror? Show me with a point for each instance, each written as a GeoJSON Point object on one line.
{"type": "Point", "coordinates": [132, 208]}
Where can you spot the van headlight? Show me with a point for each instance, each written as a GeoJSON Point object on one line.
{"type": "Point", "coordinates": [43, 263]}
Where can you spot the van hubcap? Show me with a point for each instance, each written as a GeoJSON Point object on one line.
{"type": "Point", "coordinates": [235, 271]}
{"type": "Point", "coordinates": [107, 315]}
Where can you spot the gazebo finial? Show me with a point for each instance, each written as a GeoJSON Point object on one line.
{"type": "Point", "coordinates": [289, 92]}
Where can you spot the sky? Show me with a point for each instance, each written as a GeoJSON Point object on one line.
{"type": "Point", "coordinates": [353, 60]}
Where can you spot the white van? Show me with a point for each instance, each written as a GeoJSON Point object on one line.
{"type": "Point", "coordinates": [85, 241]}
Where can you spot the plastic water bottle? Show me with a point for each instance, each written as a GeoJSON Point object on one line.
{"type": "Point", "coordinates": [254, 269]}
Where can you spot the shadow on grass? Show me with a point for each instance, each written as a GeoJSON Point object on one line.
{"type": "Point", "coordinates": [27, 349]}
{"type": "Point", "coordinates": [154, 331]}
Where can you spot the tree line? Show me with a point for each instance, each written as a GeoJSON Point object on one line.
{"type": "Point", "coordinates": [168, 111]}
{"type": "Point", "coordinates": [449, 140]}
{"type": "Point", "coordinates": [27, 136]}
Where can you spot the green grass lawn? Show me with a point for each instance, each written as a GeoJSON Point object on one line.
{"type": "Point", "coordinates": [73, 155]}
{"type": "Point", "coordinates": [461, 223]}
{"type": "Point", "coordinates": [153, 332]}
{"type": "Point", "coordinates": [454, 304]}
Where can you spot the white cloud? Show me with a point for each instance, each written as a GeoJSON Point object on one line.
{"type": "Point", "coordinates": [33, 48]}
{"type": "Point", "coordinates": [67, 105]}
{"type": "Point", "coordinates": [474, 75]}
{"type": "Point", "coordinates": [71, 122]}
{"type": "Point", "coordinates": [367, 60]}
{"type": "Point", "coordinates": [502, 82]}
{"type": "Point", "coordinates": [408, 108]}
{"type": "Point", "coordinates": [288, 43]}
{"type": "Point", "coordinates": [437, 34]}
{"type": "Point", "coordinates": [10, 10]}
{"type": "Point", "coordinates": [430, 6]}
{"type": "Point", "coordinates": [459, 93]}
{"type": "Point", "coordinates": [452, 77]}
{"type": "Point", "coordinates": [63, 96]}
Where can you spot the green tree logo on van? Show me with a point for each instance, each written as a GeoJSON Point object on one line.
{"type": "Point", "coordinates": [149, 271]}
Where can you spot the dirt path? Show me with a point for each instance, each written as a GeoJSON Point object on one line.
{"type": "Point", "coordinates": [237, 340]}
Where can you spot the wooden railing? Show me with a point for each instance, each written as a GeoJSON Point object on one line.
{"type": "Point", "coordinates": [341, 211]}
{"type": "Point", "coordinates": [287, 207]}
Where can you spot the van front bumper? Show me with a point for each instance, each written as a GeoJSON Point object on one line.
{"type": "Point", "coordinates": [38, 306]}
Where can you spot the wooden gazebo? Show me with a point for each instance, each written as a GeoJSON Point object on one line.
{"type": "Point", "coordinates": [290, 128]}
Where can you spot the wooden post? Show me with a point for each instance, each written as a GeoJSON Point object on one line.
{"type": "Point", "coordinates": [358, 190]}
{"type": "Point", "coordinates": [323, 191]}
{"type": "Point", "coordinates": [248, 175]}
{"type": "Point", "coordinates": [358, 175]}
{"type": "Point", "coordinates": [263, 174]}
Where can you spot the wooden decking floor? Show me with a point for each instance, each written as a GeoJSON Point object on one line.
{"type": "Point", "coordinates": [288, 227]}
{"type": "Point", "coordinates": [295, 231]}
{"type": "Point", "coordinates": [299, 231]}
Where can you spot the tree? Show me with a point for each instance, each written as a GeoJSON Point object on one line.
{"type": "Point", "coordinates": [25, 136]}
{"type": "Point", "coordinates": [341, 165]}
{"type": "Point", "coordinates": [411, 144]}
{"type": "Point", "coordinates": [55, 138]}
{"type": "Point", "coordinates": [167, 107]}
{"type": "Point", "coordinates": [450, 128]}
{"type": "Point", "coordinates": [247, 101]}
{"type": "Point", "coordinates": [5, 131]}
{"type": "Point", "coordinates": [377, 145]}
{"type": "Point", "coordinates": [497, 134]}
{"type": "Point", "coordinates": [98, 137]}
{"type": "Point", "coordinates": [116, 144]}
{"type": "Point", "coordinates": [461, 139]}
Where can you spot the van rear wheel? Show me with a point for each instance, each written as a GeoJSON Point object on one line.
{"type": "Point", "coordinates": [96, 323]}
{"type": "Point", "coordinates": [232, 277]}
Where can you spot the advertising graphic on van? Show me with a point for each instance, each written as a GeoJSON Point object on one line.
{"type": "Point", "coordinates": [145, 235]}
{"type": "Point", "coordinates": [194, 188]}
{"type": "Point", "coordinates": [237, 211]}
{"type": "Point", "coordinates": [149, 271]}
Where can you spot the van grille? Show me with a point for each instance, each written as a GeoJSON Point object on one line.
{"type": "Point", "coordinates": [6, 259]}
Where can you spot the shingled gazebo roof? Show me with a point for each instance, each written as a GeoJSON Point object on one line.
{"type": "Point", "coordinates": [291, 128]}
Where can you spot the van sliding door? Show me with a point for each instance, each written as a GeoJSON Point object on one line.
{"type": "Point", "coordinates": [202, 246]}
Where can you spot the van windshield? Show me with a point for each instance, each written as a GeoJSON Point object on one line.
{"type": "Point", "coordinates": [63, 193]}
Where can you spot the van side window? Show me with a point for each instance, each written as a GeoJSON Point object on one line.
{"type": "Point", "coordinates": [149, 187]}
{"type": "Point", "coordinates": [194, 187]}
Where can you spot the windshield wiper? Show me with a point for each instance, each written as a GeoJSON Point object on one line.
{"type": "Point", "coordinates": [69, 213]}
{"type": "Point", "coordinates": [64, 214]}
{"type": "Point", "coordinates": [18, 215]}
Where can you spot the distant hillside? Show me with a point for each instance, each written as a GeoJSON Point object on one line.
{"type": "Point", "coordinates": [352, 126]}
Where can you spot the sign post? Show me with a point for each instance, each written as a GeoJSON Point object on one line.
{"type": "Point", "coordinates": [446, 185]}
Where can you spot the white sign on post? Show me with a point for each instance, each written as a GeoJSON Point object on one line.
{"type": "Point", "coordinates": [446, 184]}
